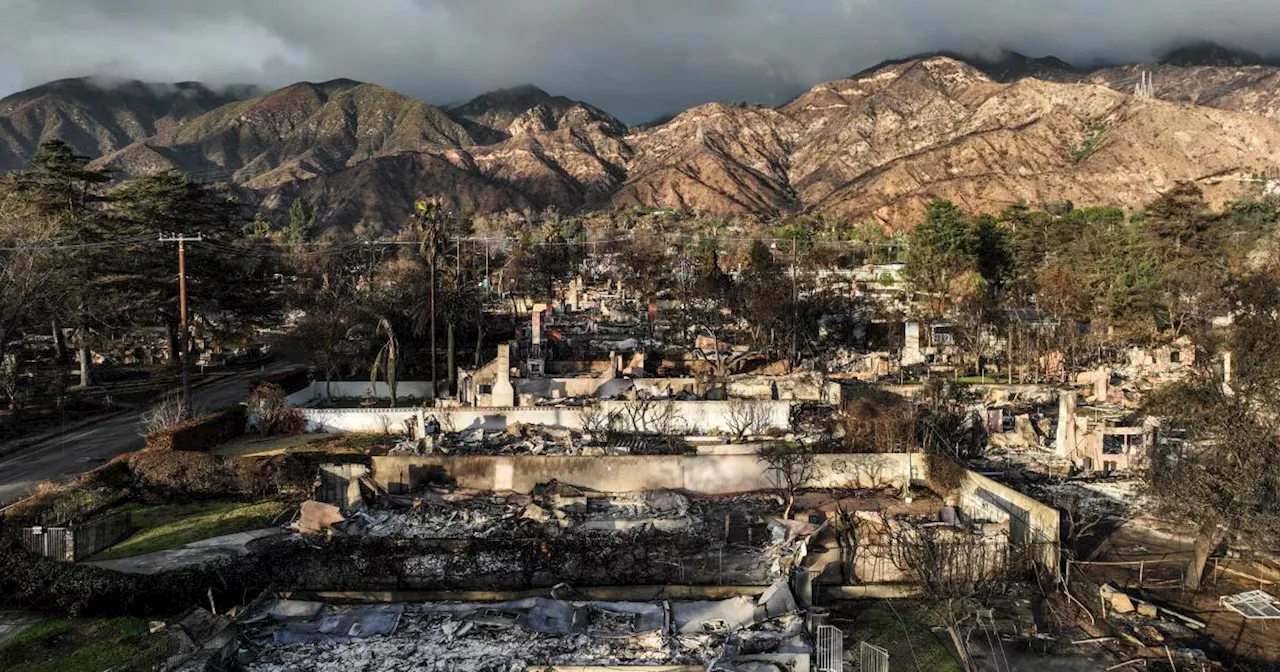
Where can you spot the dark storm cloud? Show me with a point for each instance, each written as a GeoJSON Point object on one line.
{"type": "Point", "coordinates": [636, 58]}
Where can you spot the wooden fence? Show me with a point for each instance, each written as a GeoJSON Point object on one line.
{"type": "Point", "coordinates": [71, 544]}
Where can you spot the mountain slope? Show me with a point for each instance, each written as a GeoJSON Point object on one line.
{"type": "Point", "coordinates": [882, 146]}
{"type": "Point", "coordinates": [498, 115]}
{"type": "Point", "coordinates": [876, 146]}
{"type": "Point", "coordinates": [99, 117]}
{"type": "Point", "coordinates": [297, 132]}
{"type": "Point", "coordinates": [385, 188]}
{"type": "Point", "coordinates": [715, 158]}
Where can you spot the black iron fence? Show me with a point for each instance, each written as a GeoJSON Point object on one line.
{"type": "Point", "coordinates": [77, 542]}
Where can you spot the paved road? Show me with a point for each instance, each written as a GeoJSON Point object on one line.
{"type": "Point", "coordinates": [91, 446]}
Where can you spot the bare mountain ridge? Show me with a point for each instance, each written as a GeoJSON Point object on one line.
{"type": "Point", "coordinates": [877, 145]}
{"type": "Point", "coordinates": [298, 132]}
{"type": "Point", "coordinates": [98, 117]}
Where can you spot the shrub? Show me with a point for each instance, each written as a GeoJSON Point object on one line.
{"type": "Point", "coordinates": [200, 433]}
{"type": "Point", "coordinates": [290, 381]}
{"type": "Point", "coordinates": [160, 475]}
{"type": "Point", "coordinates": [275, 416]}
{"type": "Point", "coordinates": [168, 412]}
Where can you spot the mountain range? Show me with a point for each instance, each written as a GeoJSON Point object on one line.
{"type": "Point", "coordinates": [875, 146]}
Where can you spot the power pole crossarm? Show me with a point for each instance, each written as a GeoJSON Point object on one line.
{"type": "Point", "coordinates": [183, 332]}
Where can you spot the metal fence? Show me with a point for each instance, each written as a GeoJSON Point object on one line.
{"type": "Point", "coordinates": [71, 544]}
{"type": "Point", "coordinates": [830, 649]}
{"type": "Point", "coordinates": [872, 658]}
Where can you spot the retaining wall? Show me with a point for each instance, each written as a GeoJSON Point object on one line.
{"type": "Point", "coordinates": [1031, 522]}
{"type": "Point", "coordinates": [696, 416]}
{"type": "Point", "coordinates": [345, 389]}
{"type": "Point", "coordinates": [700, 474]}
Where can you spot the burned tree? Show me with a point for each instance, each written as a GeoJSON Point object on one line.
{"type": "Point", "coordinates": [748, 417]}
{"type": "Point", "coordinates": [1214, 461]}
{"type": "Point", "coordinates": [790, 467]}
{"type": "Point", "coordinates": [649, 416]}
{"type": "Point", "coordinates": [959, 573]}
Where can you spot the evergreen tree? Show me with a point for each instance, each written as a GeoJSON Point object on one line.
{"type": "Point", "coordinates": [302, 221]}
{"type": "Point", "coordinates": [942, 252]}
{"type": "Point", "coordinates": [227, 289]}
{"type": "Point", "coordinates": [61, 185]}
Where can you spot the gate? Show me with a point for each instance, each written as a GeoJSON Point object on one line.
{"type": "Point", "coordinates": [75, 543]}
{"type": "Point", "coordinates": [50, 542]}
{"type": "Point", "coordinates": [873, 658]}
{"type": "Point", "coordinates": [831, 649]}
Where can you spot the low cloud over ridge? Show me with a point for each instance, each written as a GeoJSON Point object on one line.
{"type": "Point", "coordinates": [635, 58]}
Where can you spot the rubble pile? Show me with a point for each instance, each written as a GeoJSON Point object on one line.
{"type": "Point", "coordinates": [555, 508]}
{"type": "Point", "coordinates": [517, 439]}
{"type": "Point", "coordinates": [285, 635]}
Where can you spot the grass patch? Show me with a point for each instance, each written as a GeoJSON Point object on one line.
{"type": "Point", "coordinates": [77, 645]}
{"type": "Point", "coordinates": [904, 632]}
{"type": "Point", "coordinates": [171, 525]}
{"type": "Point", "coordinates": [1093, 133]}
{"type": "Point", "coordinates": [253, 445]}
{"type": "Point", "coordinates": [979, 380]}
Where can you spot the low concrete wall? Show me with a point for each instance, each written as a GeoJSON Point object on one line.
{"type": "Point", "coordinates": [1031, 522]}
{"type": "Point", "coordinates": [701, 474]}
{"type": "Point", "coordinates": [360, 420]}
{"type": "Point", "coordinates": [708, 416]}
{"type": "Point", "coordinates": [697, 416]}
{"type": "Point", "coordinates": [346, 389]}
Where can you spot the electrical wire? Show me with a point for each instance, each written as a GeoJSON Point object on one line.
{"type": "Point", "coordinates": [320, 247]}
{"type": "Point", "coordinates": [119, 242]}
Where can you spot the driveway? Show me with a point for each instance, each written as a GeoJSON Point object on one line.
{"type": "Point", "coordinates": [191, 555]}
{"type": "Point", "coordinates": [86, 448]}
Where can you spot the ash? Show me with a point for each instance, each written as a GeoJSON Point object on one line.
{"type": "Point", "coordinates": [459, 641]}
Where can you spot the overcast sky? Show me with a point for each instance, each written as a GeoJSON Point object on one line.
{"type": "Point", "coordinates": [636, 58]}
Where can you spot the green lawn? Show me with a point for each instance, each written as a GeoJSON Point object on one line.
{"type": "Point", "coordinates": [77, 645]}
{"type": "Point", "coordinates": [980, 380]}
{"type": "Point", "coordinates": [904, 632]}
{"type": "Point", "coordinates": [171, 525]}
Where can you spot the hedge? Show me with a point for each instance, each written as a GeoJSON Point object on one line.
{"type": "Point", "coordinates": [202, 433]}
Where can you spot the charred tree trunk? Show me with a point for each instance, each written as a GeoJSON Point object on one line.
{"type": "Point", "coordinates": [171, 341]}
{"type": "Point", "coordinates": [59, 341]}
{"type": "Point", "coordinates": [451, 354]}
{"type": "Point", "coordinates": [1206, 541]}
{"type": "Point", "coordinates": [85, 357]}
{"type": "Point", "coordinates": [479, 341]}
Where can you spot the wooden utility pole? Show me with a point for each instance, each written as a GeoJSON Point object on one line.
{"type": "Point", "coordinates": [184, 334]}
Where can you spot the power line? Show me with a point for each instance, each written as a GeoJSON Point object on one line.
{"type": "Point", "coordinates": [120, 242]}
{"type": "Point", "coordinates": [322, 247]}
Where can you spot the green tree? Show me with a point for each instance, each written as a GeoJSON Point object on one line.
{"type": "Point", "coordinates": [228, 289]}
{"type": "Point", "coordinates": [1187, 244]}
{"type": "Point", "coordinates": [992, 250]}
{"type": "Point", "coordinates": [302, 221]}
{"type": "Point", "coordinates": [942, 253]}
{"type": "Point", "coordinates": [762, 297]}
{"type": "Point", "coordinates": [61, 184]}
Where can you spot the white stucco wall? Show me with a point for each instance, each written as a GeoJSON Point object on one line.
{"type": "Point", "coordinates": [698, 416]}
{"type": "Point", "coordinates": [702, 474]}
{"type": "Point", "coordinates": [347, 389]}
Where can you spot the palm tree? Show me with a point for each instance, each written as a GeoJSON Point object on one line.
{"type": "Point", "coordinates": [427, 221]}
{"type": "Point", "coordinates": [387, 361]}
